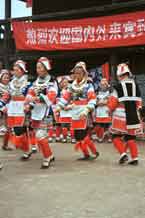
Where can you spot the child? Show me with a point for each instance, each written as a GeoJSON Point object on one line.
{"type": "Point", "coordinates": [103, 118]}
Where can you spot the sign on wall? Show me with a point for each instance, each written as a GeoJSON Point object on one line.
{"type": "Point", "coordinates": [101, 32]}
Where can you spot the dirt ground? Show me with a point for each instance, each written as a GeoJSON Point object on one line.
{"type": "Point", "coordinates": [72, 189]}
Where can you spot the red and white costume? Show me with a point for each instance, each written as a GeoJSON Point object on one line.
{"type": "Point", "coordinates": [63, 123]}
{"type": "Point", "coordinates": [15, 109]}
{"type": "Point", "coordinates": [102, 113]}
{"type": "Point", "coordinates": [119, 122]}
{"type": "Point", "coordinates": [79, 99]}
{"type": "Point", "coordinates": [16, 115]}
{"type": "Point", "coordinates": [125, 103]}
{"type": "Point", "coordinates": [102, 110]}
{"type": "Point", "coordinates": [4, 99]}
{"type": "Point", "coordinates": [40, 98]}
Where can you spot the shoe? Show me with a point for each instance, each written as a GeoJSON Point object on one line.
{"type": "Point", "coordinates": [100, 140]}
{"type": "Point", "coordinates": [123, 158]}
{"type": "Point", "coordinates": [52, 159]}
{"type": "Point", "coordinates": [73, 141]}
{"type": "Point", "coordinates": [1, 166]}
{"type": "Point", "coordinates": [50, 139]}
{"type": "Point", "coordinates": [57, 139]}
{"type": "Point", "coordinates": [6, 148]}
{"type": "Point", "coordinates": [47, 162]}
{"type": "Point", "coordinates": [96, 155]}
{"type": "Point", "coordinates": [109, 140]}
{"type": "Point", "coordinates": [94, 137]}
{"type": "Point", "coordinates": [26, 157]}
{"type": "Point", "coordinates": [34, 150]}
{"type": "Point", "coordinates": [85, 158]}
{"type": "Point", "coordinates": [133, 162]}
{"type": "Point", "coordinates": [64, 140]}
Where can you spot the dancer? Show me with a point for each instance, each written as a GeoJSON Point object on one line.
{"type": "Point", "coordinates": [4, 99]}
{"type": "Point", "coordinates": [19, 86]}
{"type": "Point", "coordinates": [125, 103]}
{"type": "Point", "coordinates": [39, 100]}
{"type": "Point", "coordinates": [80, 99]}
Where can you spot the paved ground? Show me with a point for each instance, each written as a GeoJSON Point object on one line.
{"type": "Point", "coordinates": [70, 189]}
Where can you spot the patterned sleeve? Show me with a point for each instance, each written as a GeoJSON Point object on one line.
{"type": "Point", "coordinates": [113, 100]}
{"type": "Point", "coordinates": [51, 94]}
{"type": "Point", "coordinates": [91, 97]}
{"type": "Point", "coordinates": [30, 95]}
{"type": "Point", "coordinates": [64, 98]}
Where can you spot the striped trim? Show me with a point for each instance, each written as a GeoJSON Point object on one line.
{"type": "Point", "coordinates": [135, 126]}
{"type": "Point", "coordinates": [128, 98]}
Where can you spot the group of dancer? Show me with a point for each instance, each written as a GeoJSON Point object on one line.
{"type": "Point", "coordinates": [29, 111]}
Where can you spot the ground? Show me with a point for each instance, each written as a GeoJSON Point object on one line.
{"type": "Point", "coordinates": [72, 189]}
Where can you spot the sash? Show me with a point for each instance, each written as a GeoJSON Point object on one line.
{"type": "Point", "coordinates": [102, 111]}
{"type": "Point", "coordinates": [16, 108]}
{"type": "Point", "coordinates": [39, 111]}
{"type": "Point", "coordinates": [78, 123]}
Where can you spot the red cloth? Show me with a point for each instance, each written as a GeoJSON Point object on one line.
{"type": "Point", "coordinates": [106, 71]}
{"type": "Point", "coordinates": [44, 147]}
{"type": "Point", "coordinates": [133, 148]}
{"type": "Point", "coordinates": [119, 145]}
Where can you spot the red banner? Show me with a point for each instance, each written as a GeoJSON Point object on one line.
{"type": "Point", "coordinates": [110, 31]}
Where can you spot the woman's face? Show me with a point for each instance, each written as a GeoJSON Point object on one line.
{"type": "Point", "coordinates": [5, 79]}
{"type": "Point", "coordinates": [104, 84]}
{"type": "Point", "coordinates": [122, 77]}
{"type": "Point", "coordinates": [119, 78]}
{"type": "Point", "coordinates": [41, 70]}
{"type": "Point", "coordinates": [79, 74]}
{"type": "Point", "coordinates": [64, 84]}
{"type": "Point", "coordinates": [18, 72]}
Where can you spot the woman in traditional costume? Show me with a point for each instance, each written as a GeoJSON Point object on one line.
{"type": "Point", "coordinates": [125, 103]}
{"type": "Point", "coordinates": [40, 100]}
{"type": "Point", "coordinates": [79, 100]}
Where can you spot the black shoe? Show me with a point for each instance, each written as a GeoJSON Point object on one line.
{"type": "Point", "coordinates": [123, 159]}
{"type": "Point", "coordinates": [6, 148]}
{"type": "Point", "coordinates": [96, 155]}
{"type": "Point", "coordinates": [133, 162]}
{"type": "Point", "coordinates": [52, 159]}
{"type": "Point", "coordinates": [85, 158]}
{"type": "Point", "coordinates": [26, 157]}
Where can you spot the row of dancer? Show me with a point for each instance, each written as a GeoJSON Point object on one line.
{"type": "Point", "coordinates": [28, 110]}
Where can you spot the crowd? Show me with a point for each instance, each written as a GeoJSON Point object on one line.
{"type": "Point", "coordinates": [68, 108]}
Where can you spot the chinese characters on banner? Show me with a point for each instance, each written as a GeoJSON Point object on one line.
{"type": "Point", "coordinates": [110, 31]}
